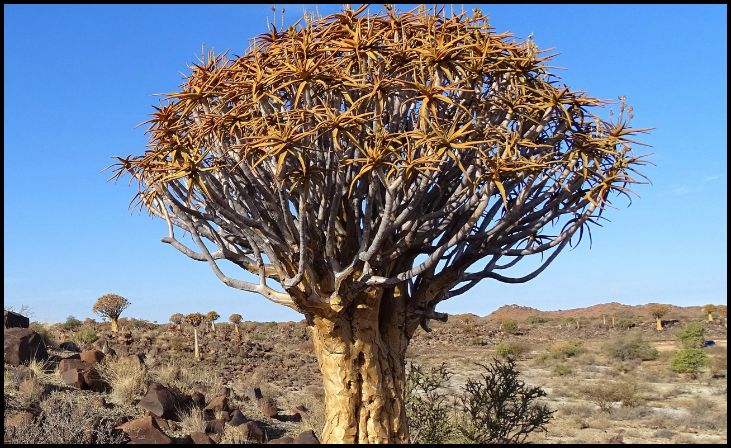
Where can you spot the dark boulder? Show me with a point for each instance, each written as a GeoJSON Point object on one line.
{"type": "Point", "coordinates": [15, 320]}
{"type": "Point", "coordinates": [159, 401]}
{"type": "Point", "coordinates": [21, 345]}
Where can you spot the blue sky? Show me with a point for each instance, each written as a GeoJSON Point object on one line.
{"type": "Point", "coordinates": [79, 78]}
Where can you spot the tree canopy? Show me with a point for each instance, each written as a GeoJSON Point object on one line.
{"type": "Point", "coordinates": [357, 151]}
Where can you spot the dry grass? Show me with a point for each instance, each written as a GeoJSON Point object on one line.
{"type": "Point", "coordinates": [192, 420]}
{"type": "Point", "coordinates": [67, 418]}
{"type": "Point", "coordinates": [189, 379]}
{"type": "Point", "coordinates": [127, 378]}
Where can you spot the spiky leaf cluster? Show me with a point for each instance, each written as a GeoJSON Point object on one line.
{"type": "Point", "coordinates": [211, 316]}
{"type": "Point", "coordinates": [110, 305]}
{"type": "Point", "coordinates": [177, 318]}
{"type": "Point", "coordinates": [333, 155]}
{"type": "Point", "coordinates": [194, 319]}
{"type": "Point", "coordinates": [235, 318]}
{"type": "Point", "coordinates": [658, 311]}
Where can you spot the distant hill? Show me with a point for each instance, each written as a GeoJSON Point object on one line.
{"type": "Point", "coordinates": [519, 313]}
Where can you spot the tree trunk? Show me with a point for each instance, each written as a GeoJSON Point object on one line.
{"type": "Point", "coordinates": [604, 318]}
{"type": "Point", "coordinates": [115, 328]}
{"type": "Point", "coordinates": [361, 353]}
{"type": "Point", "coordinates": [213, 327]}
{"type": "Point", "coordinates": [196, 349]}
{"type": "Point", "coordinates": [612, 321]}
{"type": "Point", "coordinates": [710, 317]}
{"type": "Point", "coordinates": [236, 329]}
{"type": "Point", "coordinates": [659, 324]}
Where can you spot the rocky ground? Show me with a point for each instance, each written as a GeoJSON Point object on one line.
{"type": "Point", "coordinates": [143, 384]}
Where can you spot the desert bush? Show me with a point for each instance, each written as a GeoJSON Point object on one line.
{"type": "Point", "coordinates": [625, 323]}
{"type": "Point", "coordinates": [601, 395]}
{"type": "Point", "coordinates": [562, 369]}
{"type": "Point", "coordinates": [426, 404]}
{"type": "Point", "coordinates": [71, 323]}
{"type": "Point", "coordinates": [605, 394]}
{"type": "Point", "coordinates": [127, 378]}
{"type": "Point", "coordinates": [719, 360]}
{"type": "Point", "coordinates": [510, 349]}
{"type": "Point", "coordinates": [689, 361]}
{"type": "Point", "coordinates": [86, 335]}
{"type": "Point", "coordinates": [630, 346]}
{"type": "Point", "coordinates": [499, 408]}
{"type": "Point", "coordinates": [63, 421]}
{"type": "Point", "coordinates": [691, 335]}
{"type": "Point", "coordinates": [139, 324]}
{"type": "Point", "coordinates": [567, 349]}
{"type": "Point", "coordinates": [535, 319]}
{"type": "Point", "coordinates": [509, 326]}
{"type": "Point", "coordinates": [48, 339]}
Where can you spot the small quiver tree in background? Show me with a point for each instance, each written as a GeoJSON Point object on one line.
{"type": "Point", "coordinates": [211, 317]}
{"type": "Point", "coordinates": [195, 319]}
{"type": "Point", "coordinates": [111, 306]}
{"type": "Point", "coordinates": [235, 319]}
{"type": "Point", "coordinates": [177, 319]}
{"type": "Point", "coordinates": [373, 166]}
{"type": "Point", "coordinates": [722, 312]}
{"type": "Point", "coordinates": [709, 310]}
{"type": "Point", "coordinates": [658, 311]}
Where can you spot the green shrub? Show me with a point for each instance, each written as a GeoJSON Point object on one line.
{"type": "Point", "coordinates": [625, 323]}
{"type": "Point", "coordinates": [86, 336]}
{"type": "Point", "coordinates": [691, 335]}
{"type": "Point", "coordinates": [630, 347]}
{"type": "Point", "coordinates": [535, 319]}
{"type": "Point", "coordinates": [499, 408]}
{"type": "Point", "coordinates": [71, 323]}
{"type": "Point", "coordinates": [562, 369]}
{"type": "Point", "coordinates": [427, 405]}
{"type": "Point", "coordinates": [509, 349]}
{"type": "Point", "coordinates": [568, 349]}
{"type": "Point", "coordinates": [689, 360]}
{"type": "Point", "coordinates": [509, 326]}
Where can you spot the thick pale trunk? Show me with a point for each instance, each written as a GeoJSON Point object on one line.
{"type": "Point", "coordinates": [361, 354]}
{"type": "Point", "coordinates": [710, 317]}
{"type": "Point", "coordinates": [236, 329]}
{"type": "Point", "coordinates": [115, 327]}
{"type": "Point", "coordinates": [197, 351]}
{"type": "Point", "coordinates": [604, 318]}
{"type": "Point", "coordinates": [612, 321]}
{"type": "Point", "coordinates": [213, 327]}
{"type": "Point", "coordinates": [659, 324]}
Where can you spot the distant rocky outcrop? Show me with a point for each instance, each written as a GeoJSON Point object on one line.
{"type": "Point", "coordinates": [521, 313]}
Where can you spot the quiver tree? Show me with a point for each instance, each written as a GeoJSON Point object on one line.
{"type": "Point", "coordinates": [372, 167]}
{"type": "Point", "coordinates": [709, 310]}
{"type": "Point", "coordinates": [235, 319]}
{"type": "Point", "coordinates": [111, 306]}
{"type": "Point", "coordinates": [177, 319]}
{"type": "Point", "coordinates": [658, 311]}
{"type": "Point", "coordinates": [211, 317]}
{"type": "Point", "coordinates": [195, 319]}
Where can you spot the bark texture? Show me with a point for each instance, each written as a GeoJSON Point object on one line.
{"type": "Point", "coordinates": [115, 326]}
{"type": "Point", "coordinates": [197, 350]}
{"type": "Point", "coordinates": [361, 353]}
{"type": "Point", "coordinates": [659, 324]}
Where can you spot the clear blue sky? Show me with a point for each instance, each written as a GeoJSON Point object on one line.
{"type": "Point", "coordinates": [79, 78]}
